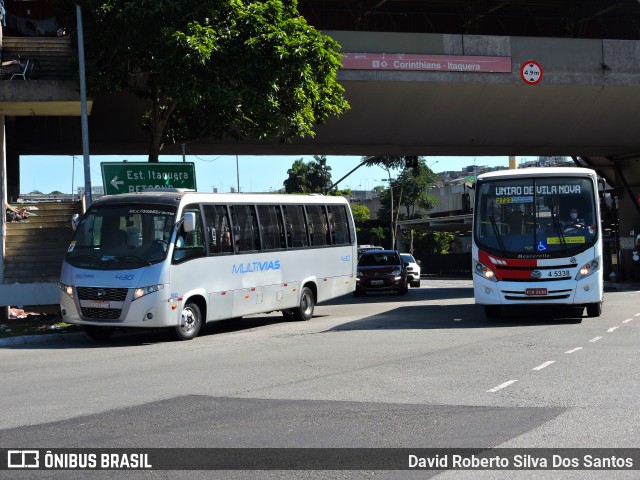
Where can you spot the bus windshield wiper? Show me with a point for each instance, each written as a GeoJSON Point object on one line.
{"type": "Point", "coordinates": [558, 227]}
{"type": "Point", "coordinates": [496, 232]}
{"type": "Point", "coordinates": [129, 258]}
{"type": "Point", "coordinates": [85, 256]}
{"type": "Point", "coordinates": [84, 260]}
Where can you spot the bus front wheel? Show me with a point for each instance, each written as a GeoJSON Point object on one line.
{"type": "Point", "coordinates": [594, 309]}
{"type": "Point", "coordinates": [190, 322]}
{"type": "Point", "coordinates": [492, 311]}
{"type": "Point", "coordinates": [304, 311]}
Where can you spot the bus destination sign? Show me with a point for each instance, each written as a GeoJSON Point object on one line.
{"type": "Point", "coordinates": [131, 177]}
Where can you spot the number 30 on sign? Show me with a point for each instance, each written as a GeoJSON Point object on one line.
{"type": "Point", "coordinates": [531, 72]}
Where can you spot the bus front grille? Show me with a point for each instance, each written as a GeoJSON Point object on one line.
{"type": "Point", "coordinates": [98, 293]}
{"type": "Point", "coordinates": [101, 313]}
{"type": "Point", "coordinates": [537, 299]}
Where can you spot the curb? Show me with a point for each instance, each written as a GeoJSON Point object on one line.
{"type": "Point", "coordinates": [28, 339]}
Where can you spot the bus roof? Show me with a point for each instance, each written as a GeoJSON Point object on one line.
{"type": "Point", "coordinates": [538, 172]}
{"type": "Point", "coordinates": [176, 197]}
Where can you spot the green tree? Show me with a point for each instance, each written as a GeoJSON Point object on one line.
{"type": "Point", "coordinates": [217, 68]}
{"type": "Point", "coordinates": [379, 234]}
{"type": "Point", "coordinates": [388, 163]}
{"type": "Point", "coordinates": [361, 213]}
{"type": "Point", "coordinates": [310, 177]}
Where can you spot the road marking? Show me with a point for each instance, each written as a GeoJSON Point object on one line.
{"type": "Point", "coordinates": [544, 365]}
{"type": "Point", "coordinates": [637, 315]}
{"type": "Point", "coordinates": [573, 350]}
{"type": "Point", "coordinates": [500, 387]}
{"type": "Point", "coordinates": [595, 339]}
{"type": "Point", "coordinates": [612, 329]}
{"type": "Point", "coordinates": [457, 319]}
{"type": "Point", "coordinates": [627, 320]}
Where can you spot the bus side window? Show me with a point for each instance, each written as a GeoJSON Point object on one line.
{"type": "Point", "coordinates": [219, 229]}
{"type": "Point", "coordinates": [296, 226]}
{"type": "Point", "coordinates": [190, 244]}
{"type": "Point", "coordinates": [338, 221]}
{"type": "Point", "coordinates": [318, 228]}
{"type": "Point", "coordinates": [245, 224]}
{"type": "Point", "coordinates": [271, 227]}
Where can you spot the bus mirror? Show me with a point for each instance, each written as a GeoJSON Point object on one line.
{"type": "Point", "coordinates": [75, 219]}
{"type": "Point", "coordinates": [189, 219]}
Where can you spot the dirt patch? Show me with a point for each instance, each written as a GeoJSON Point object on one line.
{"type": "Point", "coordinates": [21, 322]}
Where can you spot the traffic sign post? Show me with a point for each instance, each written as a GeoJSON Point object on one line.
{"type": "Point", "coordinates": [531, 72]}
{"type": "Point", "coordinates": [130, 177]}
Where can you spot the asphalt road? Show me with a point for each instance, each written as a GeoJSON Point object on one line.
{"type": "Point", "coordinates": [425, 370]}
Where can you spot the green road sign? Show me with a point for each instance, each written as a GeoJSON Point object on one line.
{"type": "Point", "coordinates": [129, 177]}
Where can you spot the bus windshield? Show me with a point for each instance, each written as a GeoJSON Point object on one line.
{"type": "Point", "coordinates": [121, 237]}
{"type": "Point", "coordinates": [535, 217]}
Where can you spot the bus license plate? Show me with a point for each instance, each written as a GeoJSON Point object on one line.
{"type": "Point", "coordinates": [377, 282]}
{"type": "Point", "coordinates": [535, 291]}
{"type": "Point", "coordinates": [98, 304]}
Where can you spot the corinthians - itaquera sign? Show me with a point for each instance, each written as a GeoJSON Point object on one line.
{"type": "Point", "coordinates": [434, 63]}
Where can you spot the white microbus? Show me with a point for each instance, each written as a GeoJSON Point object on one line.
{"type": "Point", "coordinates": [180, 259]}
{"type": "Point", "coordinates": [537, 239]}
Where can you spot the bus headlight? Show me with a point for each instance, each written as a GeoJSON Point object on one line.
{"type": "Point", "coordinates": [142, 291]}
{"type": "Point", "coordinates": [589, 268]}
{"type": "Point", "coordinates": [484, 271]}
{"type": "Point", "coordinates": [68, 289]}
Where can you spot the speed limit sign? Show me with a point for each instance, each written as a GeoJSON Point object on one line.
{"type": "Point", "coordinates": [531, 72]}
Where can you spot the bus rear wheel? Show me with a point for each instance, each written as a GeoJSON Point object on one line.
{"type": "Point", "coordinates": [99, 333]}
{"type": "Point", "coordinates": [304, 311]}
{"type": "Point", "coordinates": [190, 322]}
{"type": "Point", "coordinates": [594, 309]}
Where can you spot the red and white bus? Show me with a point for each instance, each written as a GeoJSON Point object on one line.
{"type": "Point", "coordinates": [537, 239]}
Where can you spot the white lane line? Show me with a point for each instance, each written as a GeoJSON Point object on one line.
{"type": "Point", "coordinates": [612, 329]}
{"type": "Point", "coordinates": [500, 387]}
{"type": "Point", "coordinates": [637, 315]}
{"type": "Point", "coordinates": [627, 320]}
{"type": "Point", "coordinates": [595, 339]}
{"type": "Point", "coordinates": [544, 365]}
{"type": "Point", "coordinates": [573, 350]}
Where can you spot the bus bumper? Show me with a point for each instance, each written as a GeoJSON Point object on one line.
{"type": "Point", "coordinates": [567, 292]}
{"type": "Point", "coordinates": [147, 311]}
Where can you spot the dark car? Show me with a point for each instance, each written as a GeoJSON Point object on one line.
{"type": "Point", "coordinates": [381, 270]}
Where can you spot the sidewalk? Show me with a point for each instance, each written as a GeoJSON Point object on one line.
{"type": "Point", "coordinates": [621, 286]}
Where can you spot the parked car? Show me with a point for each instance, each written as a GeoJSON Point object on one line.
{"type": "Point", "coordinates": [413, 269]}
{"type": "Point", "coordinates": [381, 270]}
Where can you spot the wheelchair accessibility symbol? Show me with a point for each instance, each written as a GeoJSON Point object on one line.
{"type": "Point", "coordinates": [542, 246]}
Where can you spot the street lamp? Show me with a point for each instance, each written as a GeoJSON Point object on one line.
{"type": "Point", "coordinates": [431, 166]}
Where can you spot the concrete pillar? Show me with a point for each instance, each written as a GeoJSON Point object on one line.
{"type": "Point", "coordinates": [629, 221]}
{"type": "Point", "coordinates": [4, 311]}
{"type": "Point", "coordinates": [12, 161]}
{"type": "Point", "coordinates": [513, 162]}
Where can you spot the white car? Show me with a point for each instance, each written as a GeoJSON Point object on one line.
{"type": "Point", "coordinates": [413, 269]}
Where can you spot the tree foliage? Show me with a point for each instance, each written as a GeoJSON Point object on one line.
{"type": "Point", "coordinates": [310, 177]}
{"type": "Point", "coordinates": [361, 213]}
{"type": "Point", "coordinates": [409, 190]}
{"type": "Point", "coordinates": [218, 68]}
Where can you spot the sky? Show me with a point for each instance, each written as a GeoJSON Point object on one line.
{"type": "Point", "coordinates": [257, 173]}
